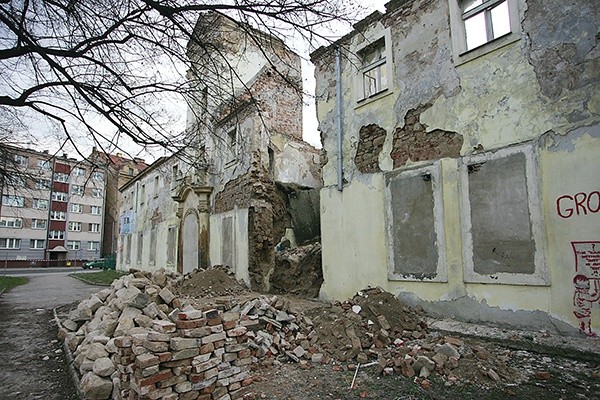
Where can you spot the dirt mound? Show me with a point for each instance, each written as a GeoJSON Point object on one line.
{"type": "Point", "coordinates": [298, 271]}
{"type": "Point", "coordinates": [212, 282]}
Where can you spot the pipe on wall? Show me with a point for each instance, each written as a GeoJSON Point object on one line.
{"type": "Point", "coordinates": [338, 106]}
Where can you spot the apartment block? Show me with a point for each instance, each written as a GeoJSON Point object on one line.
{"type": "Point", "coordinates": [52, 208]}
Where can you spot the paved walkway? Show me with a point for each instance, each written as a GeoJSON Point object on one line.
{"type": "Point", "coordinates": [33, 365]}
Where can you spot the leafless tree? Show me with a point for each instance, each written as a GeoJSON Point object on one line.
{"type": "Point", "coordinates": [82, 64]}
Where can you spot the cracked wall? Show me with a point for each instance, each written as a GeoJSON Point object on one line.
{"type": "Point", "coordinates": [537, 94]}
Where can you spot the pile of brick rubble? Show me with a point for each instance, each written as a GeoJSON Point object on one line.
{"type": "Point", "coordinates": [138, 340]}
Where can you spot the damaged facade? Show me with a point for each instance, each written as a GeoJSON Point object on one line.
{"type": "Point", "coordinates": [467, 180]}
{"type": "Point", "coordinates": [233, 198]}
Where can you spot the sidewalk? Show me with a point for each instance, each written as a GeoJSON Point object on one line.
{"type": "Point", "coordinates": [582, 348]}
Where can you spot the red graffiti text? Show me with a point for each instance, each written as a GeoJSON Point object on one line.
{"type": "Point", "coordinates": [579, 204]}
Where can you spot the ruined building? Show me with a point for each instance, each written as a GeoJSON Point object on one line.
{"type": "Point", "coordinates": [234, 192]}
{"type": "Point", "coordinates": [462, 171]}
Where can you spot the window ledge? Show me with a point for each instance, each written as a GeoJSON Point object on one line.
{"type": "Point", "coordinates": [375, 97]}
{"type": "Point", "coordinates": [486, 48]}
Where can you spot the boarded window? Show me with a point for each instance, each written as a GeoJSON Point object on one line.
{"type": "Point", "coordinates": [415, 232]}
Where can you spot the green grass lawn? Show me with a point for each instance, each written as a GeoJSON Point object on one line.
{"type": "Point", "coordinates": [101, 277]}
{"type": "Point", "coordinates": [9, 282]}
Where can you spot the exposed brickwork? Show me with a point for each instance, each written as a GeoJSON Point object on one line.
{"type": "Point", "coordinates": [267, 218]}
{"type": "Point", "coordinates": [370, 144]}
{"type": "Point", "coordinates": [413, 142]}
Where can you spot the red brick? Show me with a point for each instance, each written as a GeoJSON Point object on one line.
{"type": "Point", "coordinates": [191, 324]}
{"type": "Point", "coordinates": [151, 380]}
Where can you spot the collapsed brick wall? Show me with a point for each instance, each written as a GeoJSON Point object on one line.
{"type": "Point", "coordinates": [370, 145]}
{"type": "Point", "coordinates": [267, 218]}
{"type": "Point", "coordinates": [413, 142]}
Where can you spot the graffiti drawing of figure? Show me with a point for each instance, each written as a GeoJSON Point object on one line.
{"type": "Point", "coordinates": [583, 300]}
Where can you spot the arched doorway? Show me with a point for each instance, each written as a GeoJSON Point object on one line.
{"type": "Point", "coordinates": [191, 252]}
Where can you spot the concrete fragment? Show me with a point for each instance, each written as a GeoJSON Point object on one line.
{"type": "Point", "coordinates": [103, 367]}
{"type": "Point", "coordinates": [95, 387]}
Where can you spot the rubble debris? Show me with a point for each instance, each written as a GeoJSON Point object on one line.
{"type": "Point", "coordinates": [159, 339]}
{"type": "Point", "coordinates": [298, 271]}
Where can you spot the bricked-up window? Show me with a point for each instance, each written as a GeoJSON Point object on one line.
{"type": "Point", "coordinates": [415, 232]}
{"type": "Point", "coordinates": [152, 259]}
{"type": "Point", "coordinates": [171, 245]}
{"type": "Point", "coordinates": [501, 218]}
{"type": "Point", "coordinates": [140, 247]}
{"type": "Point", "coordinates": [374, 69]}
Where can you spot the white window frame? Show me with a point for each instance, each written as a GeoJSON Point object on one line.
{"type": "Point", "coordinates": [540, 276]}
{"type": "Point", "coordinates": [56, 235]}
{"type": "Point", "coordinates": [76, 208]}
{"type": "Point", "coordinates": [21, 160]}
{"type": "Point", "coordinates": [43, 184]}
{"type": "Point", "coordinates": [94, 208]}
{"type": "Point", "coordinates": [434, 171]}
{"type": "Point", "coordinates": [37, 244]}
{"type": "Point", "coordinates": [97, 193]}
{"type": "Point", "coordinates": [75, 226]}
{"type": "Point", "coordinates": [78, 171]}
{"type": "Point", "coordinates": [58, 215]}
{"type": "Point", "coordinates": [93, 246]}
{"type": "Point", "coordinates": [11, 222]}
{"type": "Point", "coordinates": [98, 175]}
{"type": "Point", "coordinates": [459, 38]}
{"type": "Point", "coordinates": [13, 201]}
{"type": "Point", "coordinates": [73, 244]}
{"type": "Point", "coordinates": [35, 223]}
{"type": "Point", "coordinates": [60, 196]}
{"type": "Point", "coordinates": [36, 204]}
{"type": "Point", "coordinates": [44, 165]}
{"type": "Point", "coordinates": [10, 243]}
{"type": "Point", "coordinates": [94, 227]}
{"type": "Point", "coordinates": [77, 190]}
{"type": "Point", "coordinates": [380, 39]}
{"type": "Point", "coordinates": [61, 177]}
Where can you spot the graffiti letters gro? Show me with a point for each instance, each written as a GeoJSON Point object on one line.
{"type": "Point", "coordinates": [586, 282]}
